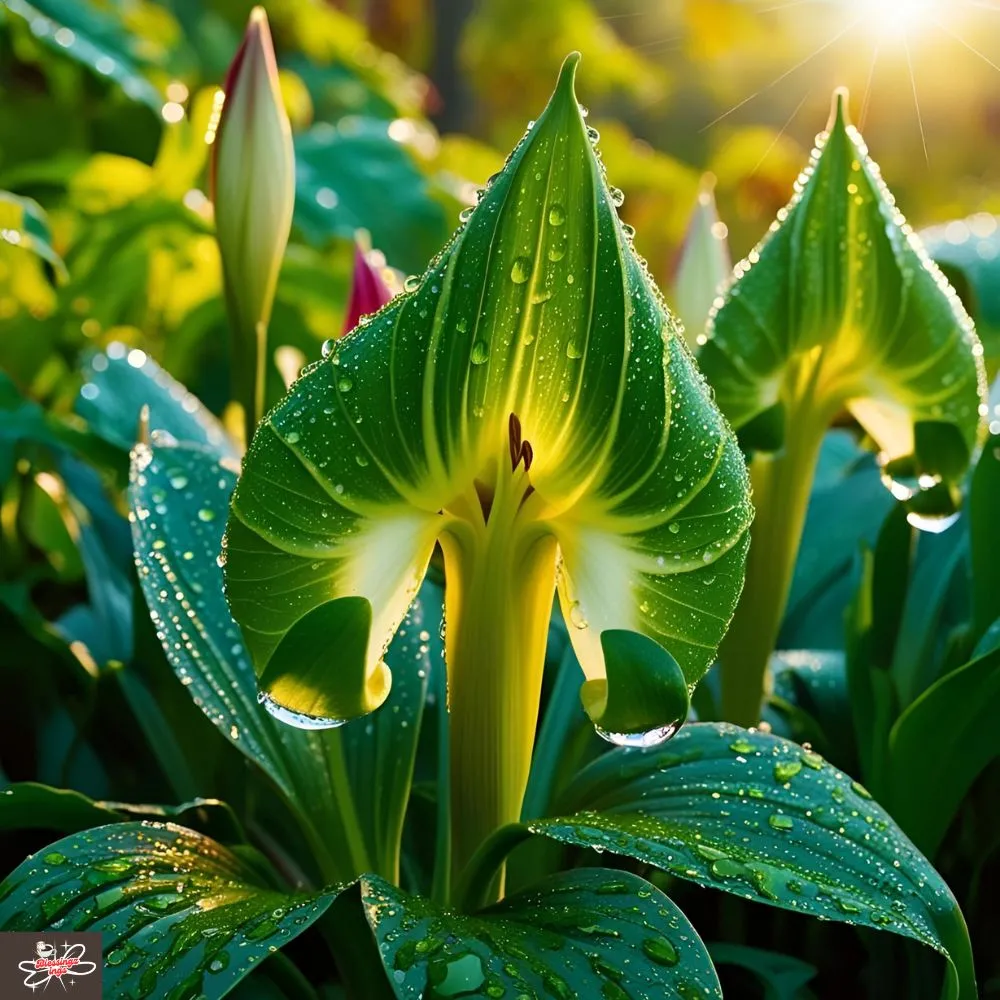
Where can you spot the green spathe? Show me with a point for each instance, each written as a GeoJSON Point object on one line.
{"type": "Point", "coordinates": [529, 406]}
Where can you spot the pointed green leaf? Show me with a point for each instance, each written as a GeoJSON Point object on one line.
{"type": "Point", "coordinates": [840, 305]}
{"type": "Point", "coordinates": [539, 308]}
{"type": "Point", "coordinates": [179, 496]}
{"type": "Point", "coordinates": [586, 933]}
{"type": "Point", "coordinates": [177, 910]}
{"type": "Point", "coordinates": [758, 816]}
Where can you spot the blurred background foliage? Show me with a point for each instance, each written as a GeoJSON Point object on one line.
{"type": "Point", "coordinates": [401, 110]}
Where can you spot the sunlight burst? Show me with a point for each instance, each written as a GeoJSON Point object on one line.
{"type": "Point", "coordinates": [898, 18]}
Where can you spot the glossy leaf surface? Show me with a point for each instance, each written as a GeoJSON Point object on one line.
{"type": "Point", "coordinates": [841, 306]}
{"type": "Point", "coordinates": [585, 933]}
{"type": "Point", "coordinates": [757, 815]}
{"type": "Point", "coordinates": [26, 227]}
{"type": "Point", "coordinates": [178, 911]}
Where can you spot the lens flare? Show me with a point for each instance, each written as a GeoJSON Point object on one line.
{"type": "Point", "coordinates": [898, 18]}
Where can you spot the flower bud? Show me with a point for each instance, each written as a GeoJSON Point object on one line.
{"type": "Point", "coordinates": [369, 290]}
{"type": "Point", "coordinates": [253, 187]}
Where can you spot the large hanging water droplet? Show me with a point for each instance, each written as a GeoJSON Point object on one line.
{"type": "Point", "coordinates": [297, 719]}
{"type": "Point", "coordinates": [557, 215]}
{"type": "Point", "coordinates": [480, 352]}
{"type": "Point", "coordinates": [650, 738]}
{"type": "Point", "coordinates": [617, 197]}
{"type": "Point", "coordinates": [327, 347]}
{"type": "Point", "coordinates": [520, 270]}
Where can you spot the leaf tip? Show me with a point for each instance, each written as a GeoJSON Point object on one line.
{"type": "Point", "coordinates": [839, 109]}
{"type": "Point", "coordinates": [567, 74]}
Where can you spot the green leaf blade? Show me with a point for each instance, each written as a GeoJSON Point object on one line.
{"type": "Point", "coordinates": [585, 933]}
{"type": "Point", "coordinates": [177, 910]}
{"type": "Point", "coordinates": [758, 816]}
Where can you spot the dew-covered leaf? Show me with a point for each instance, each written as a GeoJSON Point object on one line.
{"type": "Point", "coordinates": [585, 933]}
{"type": "Point", "coordinates": [120, 381]}
{"type": "Point", "coordinates": [840, 306]}
{"type": "Point", "coordinates": [758, 816]}
{"type": "Point", "coordinates": [98, 37]}
{"type": "Point", "coordinates": [179, 498]}
{"type": "Point", "coordinates": [540, 308]}
{"type": "Point", "coordinates": [178, 911]}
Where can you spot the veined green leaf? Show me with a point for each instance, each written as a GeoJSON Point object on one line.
{"type": "Point", "coordinates": [178, 911]}
{"type": "Point", "coordinates": [23, 224]}
{"type": "Point", "coordinates": [759, 816]}
{"type": "Point", "coordinates": [537, 341]}
{"type": "Point", "coordinates": [840, 305]}
{"type": "Point", "coordinates": [179, 496]}
{"type": "Point", "coordinates": [585, 933]}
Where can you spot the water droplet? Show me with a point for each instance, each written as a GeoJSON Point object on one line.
{"type": "Point", "coordinates": [54, 858]}
{"type": "Point", "coordinates": [741, 746]}
{"type": "Point", "coordinates": [785, 770]}
{"type": "Point", "coordinates": [220, 962]}
{"type": "Point", "coordinates": [557, 215]}
{"type": "Point", "coordinates": [617, 197]}
{"type": "Point", "coordinates": [344, 383]}
{"type": "Point", "coordinates": [674, 527]}
{"type": "Point", "coordinates": [557, 251]}
{"type": "Point", "coordinates": [326, 349]}
{"type": "Point", "coordinates": [297, 719]}
{"type": "Point", "coordinates": [573, 350]}
{"type": "Point", "coordinates": [651, 738]}
{"type": "Point", "coordinates": [412, 283]}
{"type": "Point", "coordinates": [480, 352]}
{"type": "Point", "coordinates": [778, 822]}
{"type": "Point", "coordinates": [206, 514]}
{"type": "Point", "coordinates": [520, 270]}
{"type": "Point", "coordinates": [292, 437]}
{"type": "Point", "coordinates": [661, 951]}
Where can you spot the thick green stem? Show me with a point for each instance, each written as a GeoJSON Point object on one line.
{"type": "Point", "coordinates": [782, 484]}
{"type": "Point", "coordinates": [500, 580]}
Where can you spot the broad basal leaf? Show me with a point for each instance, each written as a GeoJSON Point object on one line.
{"type": "Point", "coordinates": [840, 305]}
{"type": "Point", "coordinates": [179, 495]}
{"type": "Point", "coordinates": [759, 816]}
{"type": "Point", "coordinates": [179, 913]}
{"type": "Point", "coordinates": [586, 933]}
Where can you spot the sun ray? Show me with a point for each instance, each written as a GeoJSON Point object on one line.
{"type": "Point", "coordinates": [777, 138]}
{"type": "Point", "coordinates": [866, 103]}
{"type": "Point", "coordinates": [784, 76]}
{"type": "Point", "coordinates": [916, 100]}
{"type": "Point", "coordinates": [961, 41]}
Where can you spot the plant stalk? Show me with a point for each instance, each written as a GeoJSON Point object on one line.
{"type": "Point", "coordinates": [782, 484]}
{"type": "Point", "coordinates": [500, 580]}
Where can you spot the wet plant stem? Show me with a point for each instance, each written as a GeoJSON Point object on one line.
{"type": "Point", "coordinates": [782, 483]}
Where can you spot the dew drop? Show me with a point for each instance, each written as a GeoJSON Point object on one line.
{"type": "Point", "coordinates": [520, 270]}
{"type": "Point", "coordinates": [650, 738]}
{"type": "Point", "coordinates": [557, 215]}
{"type": "Point", "coordinates": [480, 352]}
